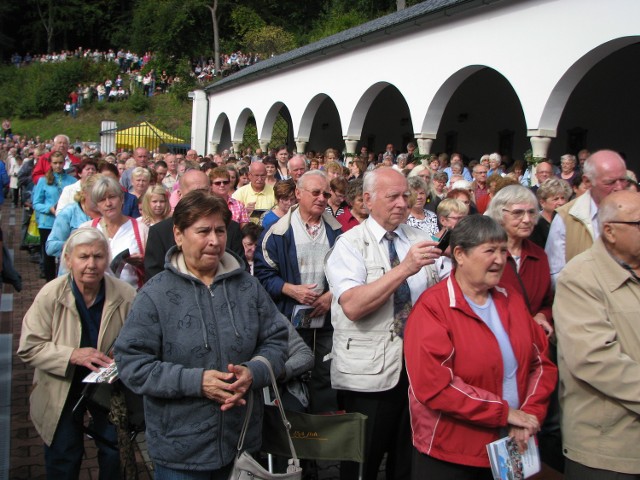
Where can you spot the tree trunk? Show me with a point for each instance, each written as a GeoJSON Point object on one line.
{"type": "Point", "coordinates": [216, 34]}
{"type": "Point", "coordinates": [401, 4]}
{"type": "Point", "coordinates": [47, 22]}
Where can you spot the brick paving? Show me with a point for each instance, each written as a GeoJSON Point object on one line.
{"type": "Point", "coordinates": [27, 455]}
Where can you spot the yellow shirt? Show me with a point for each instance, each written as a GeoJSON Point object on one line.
{"type": "Point", "coordinates": [265, 200]}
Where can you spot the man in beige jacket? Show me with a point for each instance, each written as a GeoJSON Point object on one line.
{"type": "Point", "coordinates": [596, 313]}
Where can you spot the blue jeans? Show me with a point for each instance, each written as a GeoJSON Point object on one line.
{"type": "Point", "coordinates": [64, 456]}
{"type": "Point", "coordinates": [165, 473]}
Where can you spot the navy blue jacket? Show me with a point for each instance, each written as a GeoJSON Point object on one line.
{"type": "Point", "coordinates": [276, 260]}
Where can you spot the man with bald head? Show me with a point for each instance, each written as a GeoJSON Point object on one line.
{"type": "Point", "coordinates": [141, 155]}
{"type": "Point", "coordinates": [297, 165]}
{"type": "Point", "coordinates": [575, 227]}
{"type": "Point", "coordinates": [596, 317]}
{"type": "Point", "coordinates": [257, 196]}
{"type": "Point", "coordinates": [161, 238]}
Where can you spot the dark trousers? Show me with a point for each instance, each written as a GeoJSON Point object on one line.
{"type": "Point", "coordinates": [388, 431]}
{"type": "Point", "coordinates": [425, 466]}
{"type": "Point", "coordinates": [322, 398]}
{"type": "Point", "coordinates": [49, 262]}
{"type": "Point", "coordinates": [63, 457]}
{"type": "Point", "coordinates": [577, 471]}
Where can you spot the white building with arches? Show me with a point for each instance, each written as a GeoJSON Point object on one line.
{"type": "Point", "coordinates": [473, 76]}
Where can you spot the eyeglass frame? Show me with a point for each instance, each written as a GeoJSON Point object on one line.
{"type": "Point", "coordinates": [636, 223]}
{"type": "Point", "coordinates": [533, 213]}
{"type": "Point", "coordinates": [317, 193]}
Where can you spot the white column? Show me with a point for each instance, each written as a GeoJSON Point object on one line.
{"type": "Point", "coordinates": [213, 147]}
{"type": "Point", "coordinates": [301, 146]}
{"type": "Point", "coordinates": [351, 145]}
{"type": "Point", "coordinates": [539, 149]}
{"type": "Point", "coordinates": [540, 146]}
{"type": "Point", "coordinates": [199, 113]}
{"type": "Point", "coordinates": [108, 138]}
{"type": "Point", "coordinates": [424, 145]}
{"type": "Point", "coordinates": [264, 145]}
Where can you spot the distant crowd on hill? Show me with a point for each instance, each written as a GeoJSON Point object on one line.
{"type": "Point", "coordinates": [203, 69]}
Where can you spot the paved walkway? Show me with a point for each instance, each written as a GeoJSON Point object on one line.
{"type": "Point", "coordinates": [26, 452]}
{"type": "Point", "coordinates": [26, 456]}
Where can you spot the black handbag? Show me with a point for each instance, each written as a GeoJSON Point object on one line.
{"type": "Point", "coordinates": [245, 467]}
{"type": "Point", "coordinates": [100, 395]}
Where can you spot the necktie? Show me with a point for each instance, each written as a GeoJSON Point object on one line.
{"type": "Point", "coordinates": [402, 295]}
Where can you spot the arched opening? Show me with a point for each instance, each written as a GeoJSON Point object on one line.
{"type": "Point", "coordinates": [483, 115]}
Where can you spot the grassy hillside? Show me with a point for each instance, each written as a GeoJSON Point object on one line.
{"type": "Point", "coordinates": [164, 111]}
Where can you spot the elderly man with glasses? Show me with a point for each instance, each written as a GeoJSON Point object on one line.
{"type": "Point", "coordinates": [289, 262]}
{"type": "Point", "coordinates": [257, 196]}
{"type": "Point", "coordinates": [575, 227]}
{"type": "Point", "coordinates": [596, 318]}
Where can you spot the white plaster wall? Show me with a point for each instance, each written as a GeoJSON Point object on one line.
{"type": "Point", "coordinates": [531, 43]}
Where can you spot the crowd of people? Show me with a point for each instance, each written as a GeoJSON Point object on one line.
{"type": "Point", "coordinates": [133, 76]}
{"type": "Point", "coordinates": [438, 296]}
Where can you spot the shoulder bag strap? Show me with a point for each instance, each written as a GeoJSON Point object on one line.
{"type": "Point", "coordinates": [512, 262]}
{"type": "Point", "coordinates": [136, 233]}
{"type": "Point", "coordinates": [286, 423]}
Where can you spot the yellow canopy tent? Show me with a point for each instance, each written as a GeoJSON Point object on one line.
{"type": "Point", "coordinates": [144, 135]}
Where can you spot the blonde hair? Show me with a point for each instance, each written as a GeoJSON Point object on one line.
{"type": "Point", "coordinates": [146, 202]}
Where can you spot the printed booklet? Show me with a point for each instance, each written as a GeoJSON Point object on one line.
{"type": "Point", "coordinates": [507, 463]}
{"type": "Point", "coordinates": [107, 374]}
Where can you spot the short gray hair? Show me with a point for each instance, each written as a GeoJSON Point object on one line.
{"type": "Point", "coordinates": [297, 156]}
{"type": "Point", "coordinates": [85, 236]}
{"type": "Point", "coordinates": [370, 183]}
{"type": "Point", "coordinates": [103, 186]}
{"type": "Point", "coordinates": [473, 231]}
{"type": "Point", "coordinates": [508, 196]}
{"type": "Point", "coordinates": [417, 183]}
{"type": "Point", "coordinates": [305, 176]}
{"type": "Point", "coordinates": [553, 186]}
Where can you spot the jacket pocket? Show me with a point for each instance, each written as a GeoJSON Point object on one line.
{"type": "Point", "coordinates": [358, 354]}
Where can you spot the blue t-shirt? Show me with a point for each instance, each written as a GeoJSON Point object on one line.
{"type": "Point", "coordinates": [490, 317]}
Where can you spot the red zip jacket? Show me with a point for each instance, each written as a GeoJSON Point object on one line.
{"type": "Point", "coordinates": [455, 372]}
{"type": "Point", "coordinates": [43, 165]}
{"type": "Point", "coordinates": [535, 276]}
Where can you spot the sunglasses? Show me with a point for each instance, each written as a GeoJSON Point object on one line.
{"type": "Point", "coordinates": [316, 193]}
{"type": "Point", "coordinates": [219, 183]}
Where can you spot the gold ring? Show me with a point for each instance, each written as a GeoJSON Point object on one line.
{"type": "Point", "coordinates": [425, 255]}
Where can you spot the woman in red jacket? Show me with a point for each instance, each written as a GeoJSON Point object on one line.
{"type": "Point", "coordinates": [476, 361]}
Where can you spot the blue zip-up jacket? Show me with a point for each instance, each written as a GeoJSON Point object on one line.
{"type": "Point", "coordinates": [276, 260]}
{"type": "Point", "coordinates": [46, 196]}
{"type": "Point", "coordinates": [68, 220]}
{"type": "Point", "coordinates": [4, 181]}
{"type": "Point", "coordinates": [179, 327]}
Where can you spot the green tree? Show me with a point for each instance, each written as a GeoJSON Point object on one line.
{"type": "Point", "coordinates": [336, 21]}
{"type": "Point", "coordinates": [245, 19]}
{"type": "Point", "coordinates": [269, 40]}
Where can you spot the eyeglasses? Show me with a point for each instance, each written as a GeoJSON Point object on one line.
{"type": "Point", "coordinates": [637, 224]}
{"type": "Point", "coordinates": [519, 213]}
{"type": "Point", "coordinates": [219, 183]}
{"type": "Point", "coordinates": [623, 181]}
{"type": "Point", "coordinates": [481, 172]}
{"type": "Point", "coordinates": [316, 193]}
